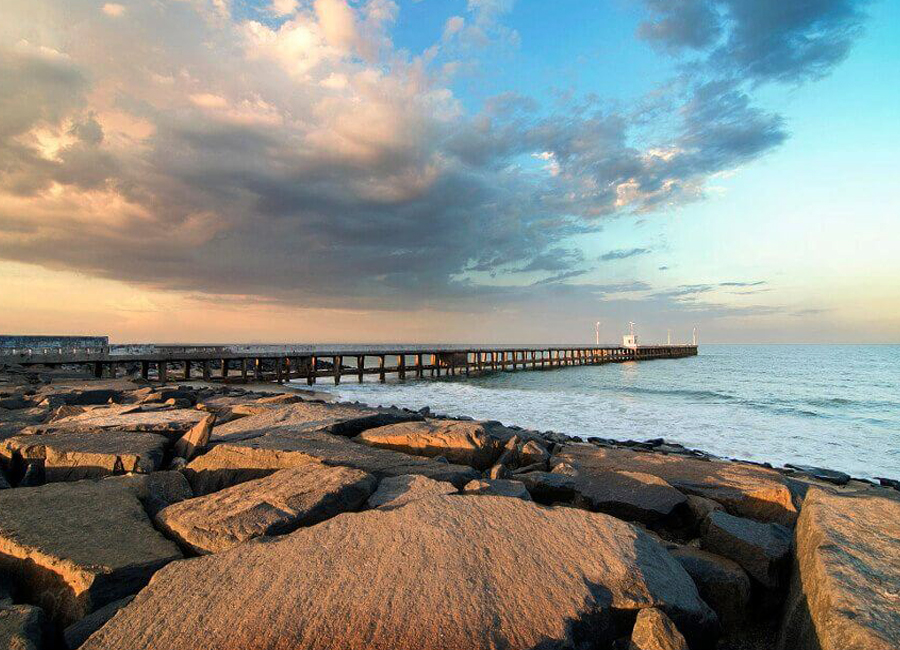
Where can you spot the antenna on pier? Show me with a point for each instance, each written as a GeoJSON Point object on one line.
{"type": "Point", "coordinates": [695, 336]}
{"type": "Point", "coordinates": [597, 332]}
{"type": "Point", "coordinates": [669, 337]}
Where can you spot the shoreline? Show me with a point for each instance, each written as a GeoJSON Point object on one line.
{"type": "Point", "coordinates": [682, 547]}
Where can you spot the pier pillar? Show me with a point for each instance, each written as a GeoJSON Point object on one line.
{"type": "Point", "coordinates": [313, 369]}
{"type": "Point", "coordinates": [338, 362]}
{"type": "Point", "coordinates": [187, 369]}
{"type": "Point", "coordinates": [381, 376]}
{"type": "Point", "coordinates": [112, 369]}
{"type": "Point", "coordinates": [419, 371]}
{"type": "Point", "coordinates": [145, 369]}
{"type": "Point", "coordinates": [435, 369]}
{"type": "Point", "coordinates": [244, 370]}
{"type": "Point", "coordinates": [278, 369]}
{"type": "Point", "coordinates": [401, 367]}
{"type": "Point", "coordinates": [224, 368]}
{"type": "Point", "coordinates": [162, 371]}
{"type": "Point", "coordinates": [206, 373]}
{"type": "Point", "coordinates": [360, 367]}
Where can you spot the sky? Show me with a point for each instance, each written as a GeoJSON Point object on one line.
{"type": "Point", "coordinates": [479, 171]}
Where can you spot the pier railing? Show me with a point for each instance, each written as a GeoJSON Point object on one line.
{"type": "Point", "coordinates": [264, 363]}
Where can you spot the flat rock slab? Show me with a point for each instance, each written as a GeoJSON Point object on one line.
{"type": "Point", "coordinates": [74, 547]}
{"type": "Point", "coordinates": [169, 422]}
{"type": "Point", "coordinates": [338, 419]}
{"type": "Point", "coordinates": [275, 505]}
{"type": "Point", "coordinates": [463, 443]}
{"type": "Point", "coordinates": [22, 627]}
{"type": "Point", "coordinates": [498, 488]}
{"type": "Point", "coordinates": [745, 490]}
{"type": "Point", "coordinates": [72, 456]}
{"type": "Point", "coordinates": [441, 573]}
{"type": "Point", "coordinates": [398, 490]}
{"type": "Point", "coordinates": [232, 463]}
{"type": "Point", "coordinates": [763, 550]}
{"type": "Point", "coordinates": [12, 423]}
{"type": "Point", "coordinates": [845, 591]}
{"type": "Point", "coordinates": [635, 496]}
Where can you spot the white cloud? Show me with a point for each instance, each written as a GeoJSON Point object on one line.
{"type": "Point", "coordinates": [113, 9]}
{"type": "Point", "coordinates": [283, 7]}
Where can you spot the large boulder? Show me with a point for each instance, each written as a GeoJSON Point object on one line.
{"type": "Point", "coordinates": [275, 505]}
{"type": "Point", "coordinates": [195, 440]}
{"type": "Point", "coordinates": [72, 456]}
{"type": "Point", "coordinates": [763, 550]}
{"type": "Point", "coordinates": [172, 423]}
{"type": "Point", "coordinates": [653, 630]}
{"type": "Point", "coordinates": [722, 583]}
{"type": "Point", "coordinates": [846, 579]}
{"type": "Point", "coordinates": [464, 443]}
{"type": "Point", "coordinates": [635, 496]}
{"type": "Point", "coordinates": [23, 627]}
{"type": "Point", "coordinates": [444, 572]}
{"type": "Point", "coordinates": [228, 464]}
{"type": "Point", "coordinates": [78, 632]}
{"type": "Point", "coordinates": [338, 419]}
{"type": "Point", "coordinates": [745, 490]}
{"type": "Point", "coordinates": [498, 488]}
{"type": "Point", "coordinates": [74, 547]}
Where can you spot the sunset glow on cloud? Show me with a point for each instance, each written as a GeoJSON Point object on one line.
{"type": "Point", "coordinates": [293, 164]}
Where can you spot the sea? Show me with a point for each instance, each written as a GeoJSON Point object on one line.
{"type": "Point", "coordinates": [832, 406]}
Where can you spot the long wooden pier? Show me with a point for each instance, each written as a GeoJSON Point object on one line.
{"type": "Point", "coordinates": [232, 364]}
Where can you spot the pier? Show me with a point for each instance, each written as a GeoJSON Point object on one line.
{"type": "Point", "coordinates": [236, 364]}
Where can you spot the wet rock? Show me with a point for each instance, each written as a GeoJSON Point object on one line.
{"type": "Point", "coordinates": [653, 630]}
{"type": "Point", "coordinates": [195, 440]}
{"type": "Point", "coordinates": [744, 490]}
{"type": "Point", "coordinates": [398, 490]}
{"type": "Point", "coordinates": [74, 547]}
{"type": "Point", "coordinates": [829, 475]}
{"type": "Point", "coordinates": [845, 585]}
{"type": "Point", "coordinates": [275, 505]}
{"type": "Point", "coordinates": [463, 443]}
{"type": "Point", "coordinates": [722, 583]}
{"type": "Point", "coordinates": [77, 633]}
{"type": "Point", "coordinates": [498, 488]}
{"type": "Point", "coordinates": [72, 456]}
{"type": "Point", "coordinates": [763, 550]}
{"type": "Point", "coordinates": [23, 627]}
{"type": "Point", "coordinates": [444, 572]}
{"type": "Point", "coordinates": [337, 419]}
{"type": "Point", "coordinates": [232, 463]}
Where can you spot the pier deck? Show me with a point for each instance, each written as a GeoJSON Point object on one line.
{"type": "Point", "coordinates": [266, 363]}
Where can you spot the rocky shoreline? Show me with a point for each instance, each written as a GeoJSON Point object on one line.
{"type": "Point", "coordinates": [139, 515]}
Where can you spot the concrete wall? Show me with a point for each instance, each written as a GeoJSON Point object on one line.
{"type": "Point", "coordinates": [39, 342]}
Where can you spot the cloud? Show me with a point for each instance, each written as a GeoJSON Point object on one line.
{"type": "Point", "coordinates": [113, 9]}
{"type": "Point", "coordinates": [621, 254]}
{"type": "Point", "coordinates": [308, 160]}
{"type": "Point", "coordinates": [743, 284]}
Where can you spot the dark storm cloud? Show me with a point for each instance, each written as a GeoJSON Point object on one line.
{"type": "Point", "coordinates": [759, 39]}
{"type": "Point", "coordinates": [621, 254]}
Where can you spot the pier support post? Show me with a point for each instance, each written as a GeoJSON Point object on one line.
{"type": "Point", "coordinates": [145, 369]}
{"type": "Point", "coordinates": [187, 369]}
{"type": "Point", "coordinates": [419, 371]}
{"type": "Point", "coordinates": [338, 362]}
{"type": "Point", "coordinates": [244, 370]}
{"type": "Point", "coordinates": [360, 367]}
{"type": "Point", "coordinates": [313, 369]}
{"type": "Point", "coordinates": [206, 373]}
{"type": "Point", "coordinates": [162, 371]}
{"type": "Point", "coordinates": [224, 368]}
{"type": "Point", "coordinates": [401, 367]}
{"type": "Point", "coordinates": [381, 376]}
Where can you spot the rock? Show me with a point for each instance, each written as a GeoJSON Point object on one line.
{"type": "Point", "coordinates": [653, 630]}
{"type": "Point", "coordinates": [6, 590]}
{"type": "Point", "coordinates": [72, 456]}
{"type": "Point", "coordinates": [343, 420]}
{"type": "Point", "coordinates": [280, 399]}
{"type": "Point", "coordinates": [463, 443]}
{"type": "Point", "coordinates": [157, 490]}
{"type": "Point", "coordinates": [74, 547]}
{"type": "Point", "coordinates": [845, 590]}
{"type": "Point", "coordinates": [722, 583]}
{"type": "Point", "coordinates": [533, 452]}
{"type": "Point", "coordinates": [509, 457]}
{"type": "Point", "coordinates": [498, 472]}
{"type": "Point", "coordinates": [165, 394]}
{"type": "Point", "coordinates": [444, 572]}
{"type": "Point", "coordinates": [15, 403]}
{"type": "Point", "coordinates": [232, 463]}
{"type": "Point", "coordinates": [499, 488]}
{"type": "Point", "coordinates": [396, 491]}
{"type": "Point", "coordinates": [4, 483]}
{"type": "Point", "coordinates": [763, 550]}
{"type": "Point", "coordinates": [700, 507]}
{"type": "Point", "coordinates": [275, 505]}
{"type": "Point", "coordinates": [172, 423]}
{"type": "Point", "coordinates": [66, 411]}
{"type": "Point", "coordinates": [179, 403]}
{"type": "Point", "coordinates": [77, 633]}
{"type": "Point", "coordinates": [745, 490]}
{"type": "Point", "coordinates": [829, 475]}
{"type": "Point", "coordinates": [196, 439]}
{"type": "Point", "coordinates": [92, 397]}
{"type": "Point", "coordinates": [23, 627]}
{"type": "Point", "coordinates": [627, 495]}
{"type": "Point", "coordinates": [33, 475]}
